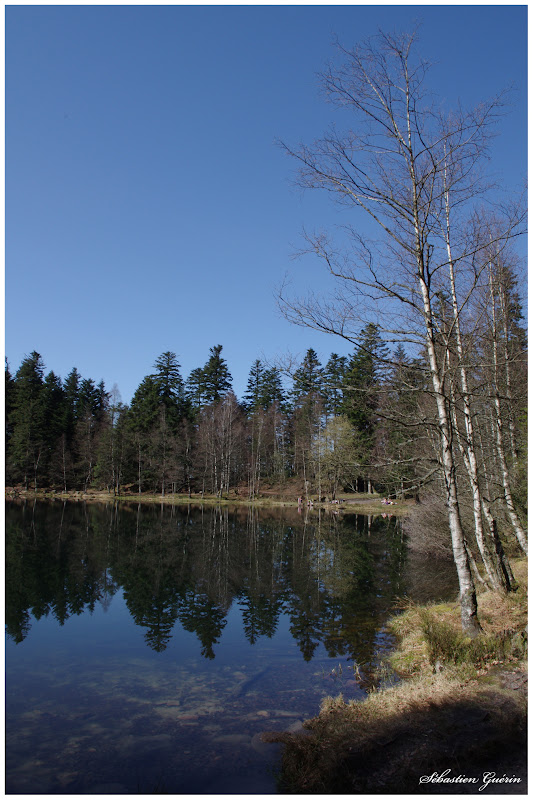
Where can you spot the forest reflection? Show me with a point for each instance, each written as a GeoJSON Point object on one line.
{"type": "Point", "coordinates": [334, 577]}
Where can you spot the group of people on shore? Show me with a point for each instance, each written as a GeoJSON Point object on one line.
{"type": "Point", "coordinates": [310, 503]}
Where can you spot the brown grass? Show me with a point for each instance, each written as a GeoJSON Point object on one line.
{"type": "Point", "coordinates": [462, 707]}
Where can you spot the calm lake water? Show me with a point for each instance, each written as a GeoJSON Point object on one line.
{"type": "Point", "coordinates": [148, 647]}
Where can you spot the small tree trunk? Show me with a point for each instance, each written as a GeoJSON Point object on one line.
{"type": "Point", "coordinates": [491, 557]}
{"type": "Point", "coordinates": [513, 516]}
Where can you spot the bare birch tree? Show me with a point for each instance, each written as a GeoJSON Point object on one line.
{"type": "Point", "coordinates": [399, 166]}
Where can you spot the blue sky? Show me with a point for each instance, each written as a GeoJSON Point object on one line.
{"type": "Point", "coordinates": [147, 205]}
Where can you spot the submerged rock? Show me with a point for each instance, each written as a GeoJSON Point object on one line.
{"type": "Point", "coordinates": [296, 727]}
{"type": "Point", "coordinates": [268, 750]}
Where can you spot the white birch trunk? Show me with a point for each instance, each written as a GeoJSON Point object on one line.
{"type": "Point", "coordinates": [467, 591]}
{"type": "Point", "coordinates": [495, 572]}
{"type": "Point", "coordinates": [511, 511]}
{"type": "Point", "coordinates": [506, 357]}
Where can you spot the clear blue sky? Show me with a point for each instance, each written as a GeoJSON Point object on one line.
{"type": "Point", "coordinates": [147, 206]}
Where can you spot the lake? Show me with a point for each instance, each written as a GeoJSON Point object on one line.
{"type": "Point", "coordinates": [149, 646]}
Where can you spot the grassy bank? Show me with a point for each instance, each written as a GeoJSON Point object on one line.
{"type": "Point", "coordinates": [281, 498]}
{"type": "Point", "coordinates": [460, 706]}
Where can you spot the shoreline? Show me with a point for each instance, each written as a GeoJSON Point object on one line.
{"type": "Point", "coordinates": [358, 505]}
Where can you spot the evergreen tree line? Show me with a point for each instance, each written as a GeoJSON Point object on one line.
{"type": "Point", "coordinates": [195, 435]}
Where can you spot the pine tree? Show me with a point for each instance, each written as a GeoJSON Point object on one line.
{"type": "Point", "coordinates": [144, 407]}
{"type": "Point", "coordinates": [91, 400]}
{"type": "Point", "coordinates": [195, 389]}
{"type": "Point", "coordinates": [334, 375]}
{"type": "Point", "coordinates": [252, 397]}
{"type": "Point", "coordinates": [53, 410]}
{"type": "Point", "coordinates": [27, 421]}
{"type": "Point", "coordinates": [307, 413]}
{"type": "Point", "coordinates": [140, 421]}
{"type": "Point", "coordinates": [404, 443]}
{"type": "Point", "coordinates": [71, 388]}
{"type": "Point", "coordinates": [9, 400]}
{"type": "Point", "coordinates": [167, 377]}
{"type": "Point", "coordinates": [216, 376]}
{"type": "Point", "coordinates": [271, 388]}
{"type": "Point", "coordinates": [362, 381]}
{"type": "Point", "coordinates": [361, 391]}
{"type": "Point", "coordinates": [170, 388]}
{"type": "Point", "coordinates": [264, 387]}
{"type": "Point", "coordinates": [170, 447]}
{"type": "Point", "coordinates": [308, 377]}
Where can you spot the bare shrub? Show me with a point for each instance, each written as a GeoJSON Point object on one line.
{"type": "Point", "coordinates": [427, 528]}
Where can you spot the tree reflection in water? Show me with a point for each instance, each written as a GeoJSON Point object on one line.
{"type": "Point", "coordinates": [334, 577]}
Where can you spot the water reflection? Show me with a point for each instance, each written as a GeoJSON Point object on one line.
{"type": "Point", "coordinates": [332, 576]}
{"type": "Point", "coordinates": [149, 646]}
